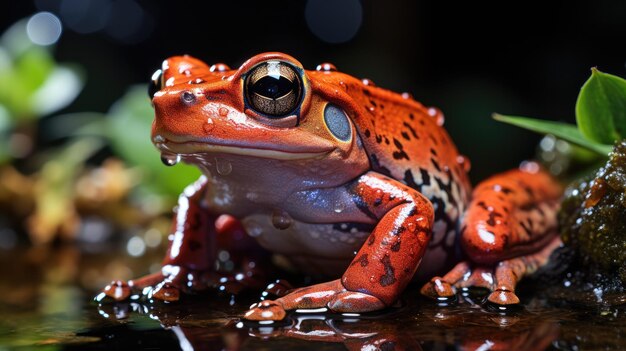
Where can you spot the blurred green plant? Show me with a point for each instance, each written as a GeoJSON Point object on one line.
{"type": "Point", "coordinates": [600, 115]}
{"type": "Point", "coordinates": [65, 183]}
{"type": "Point", "coordinates": [33, 85]}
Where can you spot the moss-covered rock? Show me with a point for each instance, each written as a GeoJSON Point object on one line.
{"type": "Point", "coordinates": [593, 216]}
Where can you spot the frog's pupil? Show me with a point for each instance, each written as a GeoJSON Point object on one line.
{"type": "Point", "coordinates": [273, 87]}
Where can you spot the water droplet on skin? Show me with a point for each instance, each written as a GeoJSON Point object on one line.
{"type": "Point", "coordinates": [339, 207]}
{"type": "Point", "coordinates": [464, 162]}
{"type": "Point", "coordinates": [529, 167]}
{"type": "Point", "coordinates": [223, 111]}
{"type": "Point", "coordinates": [326, 67]}
{"type": "Point", "coordinates": [368, 82]}
{"type": "Point", "coordinates": [407, 96]}
{"type": "Point", "coordinates": [170, 159]}
{"type": "Point", "coordinates": [219, 67]}
{"type": "Point", "coordinates": [281, 219]}
{"type": "Point", "coordinates": [223, 167]}
{"type": "Point", "coordinates": [209, 125]}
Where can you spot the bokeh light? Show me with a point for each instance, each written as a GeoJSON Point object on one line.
{"type": "Point", "coordinates": [334, 21]}
{"type": "Point", "coordinates": [44, 28]}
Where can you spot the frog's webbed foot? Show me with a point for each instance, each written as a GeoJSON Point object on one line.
{"type": "Point", "coordinates": [332, 295]}
{"type": "Point", "coordinates": [500, 279]}
{"type": "Point", "coordinates": [164, 285]}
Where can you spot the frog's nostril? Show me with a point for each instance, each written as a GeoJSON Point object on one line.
{"type": "Point", "coordinates": [188, 97]}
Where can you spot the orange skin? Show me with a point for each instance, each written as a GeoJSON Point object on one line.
{"type": "Point", "coordinates": [349, 167]}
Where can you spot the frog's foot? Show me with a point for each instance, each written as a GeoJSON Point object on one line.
{"type": "Point", "coordinates": [168, 284]}
{"type": "Point", "coordinates": [500, 279]}
{"type": "Point", "coordinates": [332, 295]}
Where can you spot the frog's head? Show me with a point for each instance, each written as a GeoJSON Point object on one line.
{"type": "Point", "coordinates": [268, 109]}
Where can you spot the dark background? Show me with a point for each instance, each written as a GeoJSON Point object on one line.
{"type": "Point", "coordinates": [467, 58]}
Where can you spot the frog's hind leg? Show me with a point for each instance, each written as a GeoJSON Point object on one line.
{"type": "Point", "coordinates": [509, 230]}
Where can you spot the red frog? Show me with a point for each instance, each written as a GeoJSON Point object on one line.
{"type": "Point", "coordinates": [340, 179]}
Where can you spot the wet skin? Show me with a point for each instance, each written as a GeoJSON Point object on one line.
{"type": "Point", "coordinates": [339, 179]}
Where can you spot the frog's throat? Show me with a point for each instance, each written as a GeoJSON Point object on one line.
{"type": "Point", "coordinates": [190, 148]}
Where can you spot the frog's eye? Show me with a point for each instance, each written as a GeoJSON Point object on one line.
{"type": "Point", "coordinates": [156, 83]}
{"type": "Point", "coordinates": [273, 88]}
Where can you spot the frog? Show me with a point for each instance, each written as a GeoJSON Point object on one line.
{"type": "Point", "coordinates": [354, 184]}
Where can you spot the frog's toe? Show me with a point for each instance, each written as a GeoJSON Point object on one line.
{"type": "Point", "coordinates": [165, 291]}
{"type": "Point", "coordinates": [437, 287]}
{"type": "Point", "coordinates": [266, 311]}
{"type": "Point", "coordinates": [351, 301]}
{"type": "Point", "coordinates": [118, 290]}
{"type": "Point", "coordinates": [503, 297]}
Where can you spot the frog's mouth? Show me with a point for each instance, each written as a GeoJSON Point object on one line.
{"type": "Point", "coordinates": [194, 147]}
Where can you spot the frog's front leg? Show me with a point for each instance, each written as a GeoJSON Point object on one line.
{"type": "Point", "coordinates": [509, 230]}
{"type": "Point", "coordinates": [385, 263]}
{"type": "Point", "coordinates": [190, 259]}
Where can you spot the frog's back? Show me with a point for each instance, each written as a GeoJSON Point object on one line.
{"type": "Point", "coordinates": [406, 141]}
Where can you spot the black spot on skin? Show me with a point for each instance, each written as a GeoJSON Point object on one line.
{"type": "Point", "coordinates": [422, 122]}
{"type": "Point", "coordinates": [386, 140]}
{"type": "Point", "coordinates": [392, 197]}
{"type": "Point", "coordinates": [432, 151]}
{"type": "Point", "coordinates": [411, 116]}
{"type": "Point", "coordinates": [194, 245]}
{"type": "Point", "coordinates": [492, 218]}
{"type": "Point", "coordinates": [399, 155]}
{"type": "Point", "coordinates": [379, 138]}
{"type": "Point", "coordinates": [371, 239]}
{"type": "Point", "coordinates": [362, 260]}
{"type": "Point", "coordinates": [389, 277]}
{"type": "Point", "coordinates": [506, 190]}
{"type": "Point", "coordinates": [405, 135]}
{"type": "Point", "coordinates": [398, 231]}
{"type": "Point", "coordinates": [367, 133]}
{"type": "Point", "coordinates": [366, 92]}
{"type": "Point", "coordinates": [413, 211]}
{"type": "Point", "coordinates": [373, 103]}
{"type": "Point", "coordinates": [435, 164]}
{"type": "Point", "coordinates": [361, 205]}
{"type": "Point", "coordinates": [409, 180]}
{"type": "Point", "coordinates": [482, 205]}
{"type": "Point", "coordinates": [396, 246]}
{"type": "Point", "coordinates": [425, 177]}
{"type": "Point", "coordinates": [398, 144]}
{"type": "Point", "coordinates": [377, 167]}
{"type": "Point", "coordinates": [408, 126]}
{"type": "Point", "coordinates": [377, 202]}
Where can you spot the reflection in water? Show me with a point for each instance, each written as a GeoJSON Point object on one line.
{"type": "Point", "coordinates": [45, 293]}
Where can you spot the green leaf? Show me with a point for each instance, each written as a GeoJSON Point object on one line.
{"type": "Point", "coordinates": [601, 108]}
{"type": "Point", "coordinates": [560, 130]}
